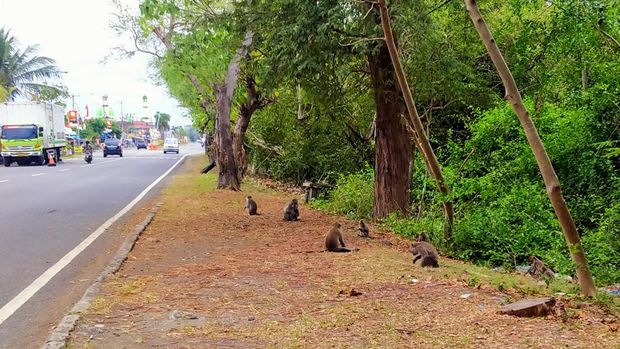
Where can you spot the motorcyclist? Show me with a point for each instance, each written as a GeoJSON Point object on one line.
{"type": "Point", "coordinates": [87, 147]}
{"type": "Point", "coordinates": [88, 152]}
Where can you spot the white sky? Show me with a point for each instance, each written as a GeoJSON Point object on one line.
{"type": "Point", "coordinates": [76, 34]}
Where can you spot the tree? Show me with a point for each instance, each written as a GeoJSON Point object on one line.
{"type": "Point", "coordinates": [162, 122]}
{"type": "Point", "coordinates": [319, 46]}
{"type": "Point", "coordinates": [115, 129]}
{"type": "Point", "coordinates": [208, 55]}
{"type": "Point", "coordinates": [23, 73]}
{"type": "Point", "coordinates": [94, 128]}
{"type": "Point", "coordinates": [180, 132]}
{"type": "Point", "coordinates": [4, 93]}
{"type": "Point", "coordinates": [54, 94]}
{"type": "Point", "coordinates": [513, 96]}
{"type": "Point", "coordinates": [415, 123]}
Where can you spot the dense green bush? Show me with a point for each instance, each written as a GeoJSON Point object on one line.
{"type": "Point", "coordinates": [352, 196]}
{"type": "Point", "coordinates": [503, 213]}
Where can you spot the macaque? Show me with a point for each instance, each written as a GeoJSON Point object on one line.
{"type": "Point", "coordinates": [539, 269]}
{"type": "Point", "coordinates": [363, 230]}
{"type": "Point", "coordinates": [426, 253]}
{"type": "Point", "coordinates": [251, 206]}
{"type": "Point", "coordinates": [333, 240]}
{"type": "Point", "coordinates": [291, 211]}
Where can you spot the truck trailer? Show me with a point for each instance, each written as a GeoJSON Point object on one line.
{"type": "Point", "coordinates": [28, 130]}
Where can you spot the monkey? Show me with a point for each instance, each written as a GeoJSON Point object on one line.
{"type": "Point", "coordinates": [250, 204]}
{"type": "Point", "coordinates": [539, 269]}
{"type": "Point", "coordinates": [363, 230]}
{"type": "Point", "coordinates": [423, 237]}
{"type": "Point", "coordinates": [426, 252]}
{"type": "Point", "coordinates": [333, 240]}
{"type": "Point", "coordinates": [291, 211]}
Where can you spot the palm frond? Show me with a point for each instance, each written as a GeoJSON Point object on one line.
{"type": "Point", "coordinates": [23, 72]}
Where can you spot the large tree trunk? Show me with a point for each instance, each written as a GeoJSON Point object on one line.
{"type": "Point", "coordinates": [227, 175]}
{"type": "Point", "coordinates": [254, 101]}
{"type": "Point", "coordinates": [223, 144]}
{"type": "Point", "coordinates": [393, 142]}
{"type": "Point", "coordinates": [424, 144]}
{"type": "Point", "coordinates": [223, 147]}
{"type": "Point", "coordinates": [546, 168]}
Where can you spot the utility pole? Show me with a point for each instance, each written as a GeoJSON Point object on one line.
{"type": "Point", "coordinates": [122, 126]}
{"type": "Point", "coordinates": [78, 119]}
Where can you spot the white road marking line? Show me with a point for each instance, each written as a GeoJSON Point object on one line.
{"type": "Point", "coordinates": [37, 174]}
{"type": "Point", "coordinates": [4, 180]}
{"type": "Point", "coordinates": [63, 170]}
{"type": "Point", "coordinates": [14, 304]}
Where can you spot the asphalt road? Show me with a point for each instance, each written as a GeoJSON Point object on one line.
{"type": "Point", "coordinates": [45, 212]}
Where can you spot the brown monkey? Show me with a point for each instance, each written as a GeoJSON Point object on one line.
{"type": "Point", "coordinates": [539, 269]}
{"type": "Point", "coordinates": [333, 240]}
{"type": "Point", "coordinates": [291, 211]}
{"type": "Point", "coordinates": [426, 252]}
{"type": "Point", "coordinates": [363, 230]}
{"type": "Point", "coordinates": [250, 205]}
{"type": "Point", "coordinates": [423, 237]}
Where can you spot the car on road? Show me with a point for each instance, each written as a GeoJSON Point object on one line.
{"type": "Point", "coordinates": [112, 146]}
{"type": "Point", "coordinates": [171, 145]}
{"type": "Point", "coordinates": [140, 143]}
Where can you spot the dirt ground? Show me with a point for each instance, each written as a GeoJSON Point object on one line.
{"type": "Point", "coordinates": [206, 275]}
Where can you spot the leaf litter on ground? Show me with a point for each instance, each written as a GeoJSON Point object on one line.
{"type": "Point", "coordinates": [255, 282]}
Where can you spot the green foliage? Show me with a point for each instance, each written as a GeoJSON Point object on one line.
{"type": "Point", "coordinates": [352, 196]}
{"type": "Point", "coordinates": [115, 130]}
{"type": "Point", "coordinates": [507, 216]}
{"type": "Point", "coordinates": [312, 58]}
{"type": "Point", "coordinates": [162, 120]}
{"type": "Point", "coordinates": [319, 147]}
{"type": "Point", "coordinates": [200, 39]}
{"type": "Point", "coordinates": [24, 73]}
{"type": "Point", "coordinates": [94, 128]}
{"type": "Point", "coordinates": [503, 213]}
{"type": "Point", "coordinates": [603, 245]}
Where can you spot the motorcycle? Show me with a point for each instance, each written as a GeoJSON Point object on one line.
{"type": "Point", "coordinates": [88, 156]}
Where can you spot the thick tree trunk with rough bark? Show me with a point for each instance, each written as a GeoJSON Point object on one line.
{"type": "Point", "coordinates": [239, 150]}
{"type": "Point", "coordinates": [227, 175]}
{"type": "Point", "coordinates": [430, 160]}
{"type": "Point", "coordinates": [223, 144]}
{"type": "Point", "coordinates": [254, 101]}
{"type": "Point", "coordinates": [393, 142]}
{"type": "Point", "coordinates": [546, 168]}
{"type": "Point", "coordinates": [227, 149]}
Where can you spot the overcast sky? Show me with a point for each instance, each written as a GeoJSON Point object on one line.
{"type": "Point", "coordinates": [76, 34]}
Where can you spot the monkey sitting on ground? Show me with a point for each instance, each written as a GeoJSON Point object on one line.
{"type": "Point", "coordinates": [426, 252]}
{"type": "Point", "coordinates": [539, 269]}
{"type": "Point", "coordinates": [363, 230]}
{"type": "Point", "coordinates": [291, 211]}
{"type": "Point", "coordinates": [251, 206]}
{"type": "Point", "coordinates": [423, 237]}
{"type": "Point", "coordinates": [333, 240]}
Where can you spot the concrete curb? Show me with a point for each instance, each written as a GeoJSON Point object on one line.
{"type": "Point", "coordinates": [59, 337]}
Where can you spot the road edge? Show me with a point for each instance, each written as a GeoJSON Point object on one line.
{"type": "Point", "coordinates": [59, 337]}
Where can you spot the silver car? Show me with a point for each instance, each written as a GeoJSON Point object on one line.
{"type": "Point", "coordinates": [171, 145]}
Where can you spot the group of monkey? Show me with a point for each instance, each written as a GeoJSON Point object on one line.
{"type": "Point", "coordinates": [421, 250]}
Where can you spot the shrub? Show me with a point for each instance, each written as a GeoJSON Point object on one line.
{"type": "Point", "coordinates": [352, 196]}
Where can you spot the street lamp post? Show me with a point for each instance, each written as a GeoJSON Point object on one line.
{"type": "Point", "coordinates": [78, 120]}
{"type": "Point", "coordinates": [122, 126]}
{"type": "Point", "coordinates": [145, 106]}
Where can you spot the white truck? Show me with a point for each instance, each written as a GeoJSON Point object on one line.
{"type": "Point", "coordinates": [28, 130]}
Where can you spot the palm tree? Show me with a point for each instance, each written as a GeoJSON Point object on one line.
{"type": "Point", "coordinates": [23, 73]}
{"type": "Point", "coordinates": [162, 122]}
